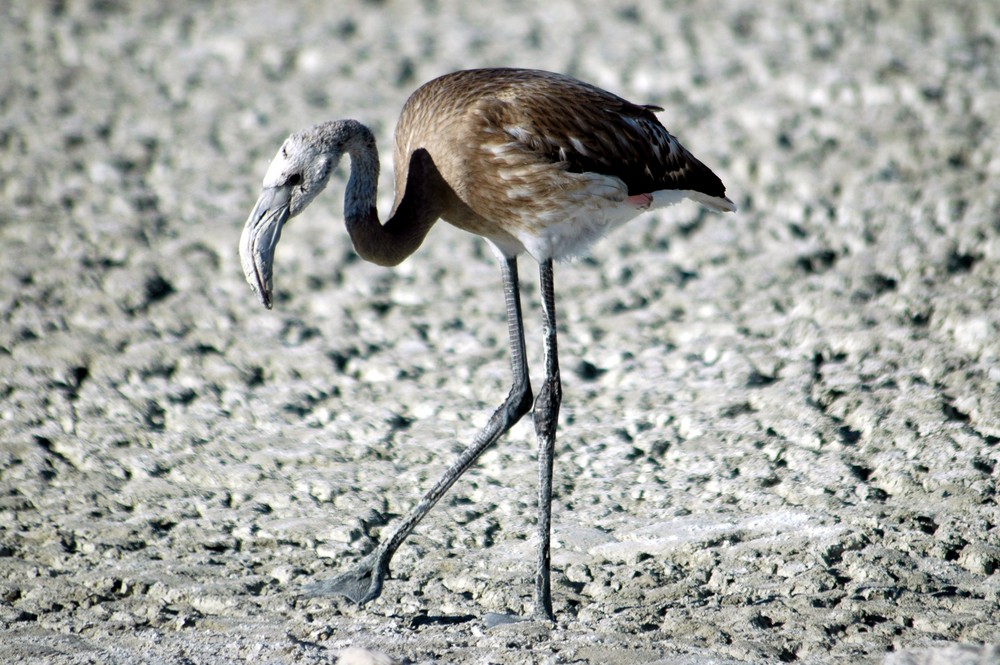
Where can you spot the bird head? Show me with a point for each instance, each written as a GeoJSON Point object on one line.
{"type": "Point", "coordinates": [299, 172]}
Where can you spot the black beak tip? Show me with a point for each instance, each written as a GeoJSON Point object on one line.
{"type": "Point", "coordinates": [264, 296]}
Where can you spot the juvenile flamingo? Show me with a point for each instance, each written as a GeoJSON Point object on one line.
{"type": "Point", "coordinates": [534, 162]}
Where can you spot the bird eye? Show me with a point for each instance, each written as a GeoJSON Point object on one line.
{"type": "Point", "coordinates": [294, 179]}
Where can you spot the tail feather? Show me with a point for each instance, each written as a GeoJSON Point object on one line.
{"type": "Point", "coordinates": [720, 203]}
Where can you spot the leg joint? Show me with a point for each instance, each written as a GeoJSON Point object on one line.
{"type": "Point", "coordinates": [519, 401]}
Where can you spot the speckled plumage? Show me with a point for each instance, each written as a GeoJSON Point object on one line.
{"type": "Point", "coordinates": [543, 162]}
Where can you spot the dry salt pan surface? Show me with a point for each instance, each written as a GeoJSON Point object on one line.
{"type": "Point", "coordinates": [781, 428]}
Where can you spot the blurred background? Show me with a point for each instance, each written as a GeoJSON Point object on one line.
{"type": "Point", "coordinates": [812, 380]}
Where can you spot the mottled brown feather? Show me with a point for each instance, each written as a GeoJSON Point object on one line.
{"type": "Point", "coordinates": [565, 122]}
{"type": "Point", "coordinates": [510, 150]}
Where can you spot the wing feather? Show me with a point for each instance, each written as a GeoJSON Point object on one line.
{"type": "Point", "coordinates": [585, 129]}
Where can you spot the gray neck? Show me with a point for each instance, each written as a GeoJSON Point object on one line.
{"type": "Point", "coordinates": [417, 211]}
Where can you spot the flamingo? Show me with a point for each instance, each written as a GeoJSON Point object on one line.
{"type": "Point", "coordinates": [535, 162]}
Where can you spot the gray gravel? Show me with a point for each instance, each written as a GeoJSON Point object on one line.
{"type": "Point", "coordinates": [780, 434]}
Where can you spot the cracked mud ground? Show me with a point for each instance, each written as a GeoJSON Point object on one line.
{"type": "Point", "coordinates": [781, 428]}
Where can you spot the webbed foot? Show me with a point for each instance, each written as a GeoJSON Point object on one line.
{"type": "Point", "coordinates": [362, 583]}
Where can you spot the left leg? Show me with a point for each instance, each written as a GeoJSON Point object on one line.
{"type": "Point", "coordinates": [546, 416]}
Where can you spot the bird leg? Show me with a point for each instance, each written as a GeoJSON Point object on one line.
{"type": "Point", "coordinates": [546, 416]}
{"type": "Point", "coordinates": [363, 583]}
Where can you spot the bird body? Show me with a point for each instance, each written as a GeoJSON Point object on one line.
{"type": "Point", "coordinates": [545, 163]}
{"type": "Point", "coordinates": [534, 162]}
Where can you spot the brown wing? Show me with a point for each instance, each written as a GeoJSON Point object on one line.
{"type": "Point", "coordinates": [586, 129]}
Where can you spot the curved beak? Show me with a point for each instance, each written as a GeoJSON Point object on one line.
{"type": "Point", "coordinates": [260, 237]}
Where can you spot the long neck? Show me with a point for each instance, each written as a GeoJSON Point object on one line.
{"type": "Point", "coordinates": [419, 208]}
